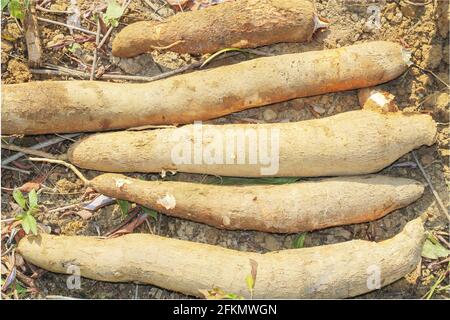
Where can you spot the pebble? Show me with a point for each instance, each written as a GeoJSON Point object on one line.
{"type": "Point", "coordinates": [432, 56]}
{"type": "Point", "coordinates": [427, 159]}
{"type": "Point", "coordinates": [319, 109]}
{"type": "Point", "coordinates": [271, 243]}
{"type": "Point", "coordinates": [269, 115]}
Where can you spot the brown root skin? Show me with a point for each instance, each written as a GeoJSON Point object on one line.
{"type": "Point", "coordinates": [239, 24]}
{"type": "Point", "coordinates": [289, 208]}
{"type": "Point", "coordinates": [81, 106]}
{"type": "Point", "coordinates": [350, 143]}
{"type": "Point", "coordinates": [332, 271]}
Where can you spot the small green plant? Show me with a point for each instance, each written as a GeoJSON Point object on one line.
{"type": "Point", "coordinates": [299, 241]}
{"type": "Point", "coordinates": [124, 206]}
{"type": "Point", "coordinates": [28, 209]}
{"type": "Point", "coordinates": [150, 213]}
{"type": "Point", "coordinates": [113, 12]}
{"type": "Point", "coordinates": [16, 8]}
{"type": "Point", "coordinates": [433, 249]}
{"type": "Point", "coordinates": [75, 47]}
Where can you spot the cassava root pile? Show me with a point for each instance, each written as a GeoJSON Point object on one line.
{"type": "Point", "coordinates": [289, 208]}
{"type": "Point", "coordinates": [81, 106]}
{"type": "Point", "coordinates": [351, 143]}
{"type": "Point", "coordinates": [239, 24]}
{"type": "Point", "coordinates": [331, 271]}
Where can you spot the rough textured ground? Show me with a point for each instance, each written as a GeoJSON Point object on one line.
{"type": "Point", "coordinates": [423, 29]}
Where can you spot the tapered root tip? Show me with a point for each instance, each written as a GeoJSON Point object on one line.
{"type": "Point", "coordinates": [409, 192]}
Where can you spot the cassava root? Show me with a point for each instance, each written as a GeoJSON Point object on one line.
{"type": "Point", "coordinates": [289, 208]}
{"type": "Point", "coordinates": [239, 24]}
{"type": "Point", "coordinates": [82, 106]}
{"type": "Point", "coordinates": [330, 271]}
{"type": "Point", "coordinates": [351, 143]}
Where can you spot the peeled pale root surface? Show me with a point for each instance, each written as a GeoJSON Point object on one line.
{"type": "Point", "coordinates": [331, 271]}
{"type": "Point", "coordinates": [238, 24]}
{"type": "Point", "coordinates": [288, 208]}
{"type": "Point", "coordinates": [81, 106]}
{"type": "Point", "coordinates": [351, 143]}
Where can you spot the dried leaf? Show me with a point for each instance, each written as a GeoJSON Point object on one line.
{"type": "Point", "coordinates": [84, 214]}
{"type": "Point", "coordinates": [434, 250]}
{"type": "Point", "coordinates": [33, 184]}
{"type": "Point", "coordinates": [99, 202]}
{"type": "Point", "coordinates": [129, 228]}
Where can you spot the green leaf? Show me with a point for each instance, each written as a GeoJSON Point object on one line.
{"type": "Point", "coordinates": [250, 282]}
{"type": "Point", "coordinates": [124, 206]}
{"type": "Point", "coordinates": [21, 290]}
{"type": "Point", "coordinates": [4, 3]}
{"type": "Point", "coordinates": [20, 216]}
{"type": "Point", "coordinates": [32, 199]}
{"type": "Point", "coordinates": [251, 181]}
{"type": "Point", "coordinates": [20, 200]}
{"type": "Point", "coordinates": [29, 224]}
{"type": "Point", "coordinates": [299, 241]}
{"type": "Point", "coordinates": [150, 212]}
{"type": "Point", "coordinates": [75, 47]}
{"type": "Point", "coordinates": [113, 12]}
{"type": "Point", "coordinates": [434, 250]}
{"type": "Point", "coordinates": [16, 9]}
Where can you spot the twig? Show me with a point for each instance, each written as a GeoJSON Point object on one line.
{"type": "Point", "coordinates": [432, 73]}
{"type": "Point", "coordinates": [15, 169]}
{"type": "Point", "coordinates": [155, 9]}
{"type": "Point", "coordinates": [38, 7]}
{"type": "Point", "coordinates": [40, 146]}
{"type": "Point", "coordinates": [68, 165]}
{"type": "Point", "coordinates": [97, 40]}
{"type": "Point", "coordinates": [427, 178]}
{"type": "Point", "coordinates": [32, 37]}
{"type": "Point", "coordinates": [67, 26]}
{"type": "Point", "coordinates": [70, 206]}
{"type": "Point", "coordinates": [108, 33]}
{"type": "Point", "coordinates": [25, 150]}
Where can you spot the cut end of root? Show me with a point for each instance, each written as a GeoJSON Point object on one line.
{"type": "Point", "coordinates": [320, 23]}
{"type": "Point", "coordinates": [407, 55]}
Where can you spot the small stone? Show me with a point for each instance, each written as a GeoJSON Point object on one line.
{"type": "Point", "coordinates": [269, 115]}
{"type": "Point", "coordinates": [397, 18]}
{"type": "Point", "coordinates": [11, 32]}
{"type": "Point", "coordinates": [355, 17]}
{"type": "Point", "coordinates": [427, 159]}
{"type": "Point", "coordinates": [319, 109]}
{"type": "Point", "coordinates": [6, 49]}
{"type": "Point", "coordinates": [432, 56]}
{"type": "Point", "coordinates": [425, 80]}
{"type": "Point", "coordinates": [441, 108]}
{"type": "Point", "coordinates": [271, 243]}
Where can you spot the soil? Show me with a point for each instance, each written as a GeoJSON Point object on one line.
{"type": "Point", "coordinates": [422, 29]}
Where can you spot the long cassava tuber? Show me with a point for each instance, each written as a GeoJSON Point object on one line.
{"type": "Point", "coordinates": [331, 271]}
{"type": "Point", "coordinates": [81, 106]}
{"type": "Point", "coordinates": [239, 24]}
{"type": "Point", "coordinates": [350, 143]}
{"type": "Point", "coordinates": [289, 208]}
